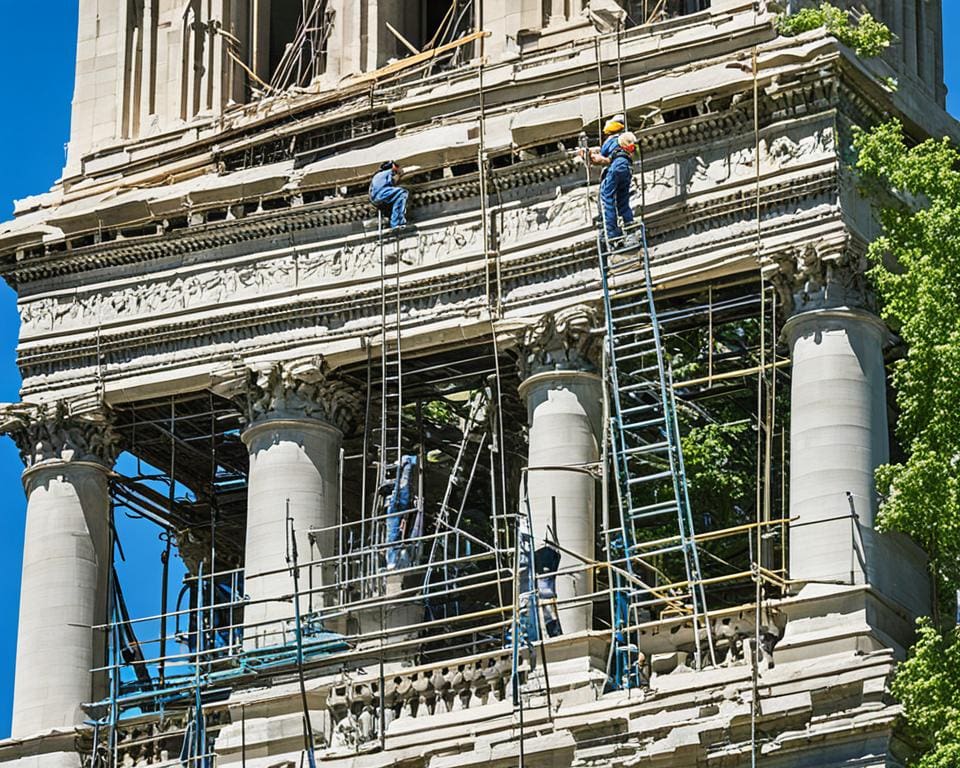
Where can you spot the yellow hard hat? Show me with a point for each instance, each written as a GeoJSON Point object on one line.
{"type": "Point", "coordinates": [614, 124]}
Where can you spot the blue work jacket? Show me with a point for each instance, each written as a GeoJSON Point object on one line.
{"type": "Point", "coordinates": [381, 181]}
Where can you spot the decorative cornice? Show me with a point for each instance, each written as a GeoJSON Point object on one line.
{"type": "Point", "coordinates": [798, 96]}
{"type": "Point", "coordinates": [215, 236]}
{"type": "Point", "coordinates": [53, 433]}
{"type": "Point", "coordinates": [340, 316]}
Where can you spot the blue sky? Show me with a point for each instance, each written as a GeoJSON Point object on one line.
{"type": "Point", "coordinates": [37, 47]}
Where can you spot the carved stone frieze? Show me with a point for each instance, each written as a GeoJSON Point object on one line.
{"type": "Point", "coordinates": [734, 161]}
{"type": "Point", "coordinates": [820, 275]}
{"type": "Point", "coordinates": [301, 389]}
{"type": "Point", "coordinates": [356, 258]}
{"type": "Point", "coordinates": [44, 433]}
{"type": "Point", "coordinates": [566, 210]}
{"type": "Point", "coordinates": [561, 341]}
{"type": "Point", "coordinates": [299, 268]}
{"type": "Point", "coordinates": [717, 231]}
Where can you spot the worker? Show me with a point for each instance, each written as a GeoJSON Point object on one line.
{"type": "Point", "coordinates": [385, 194]}
{"type": "Point", "coordinates": [611, 131]}
{"type": "Point", "coordinates": [546, 562]}
{"type": "Point", "coordinates": [615, 190]}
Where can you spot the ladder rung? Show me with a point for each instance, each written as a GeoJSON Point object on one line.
{"type": "Point", "coordinates": [637, 356]}
{"type": "Point", "coordinates": [650, 478]}
{"type": "Point", "coordinates": [639, 324]}
{"type": "Point", "coordinates": [647, 515]}
{"type": "Point", "coordinates": [649, 508]}
{"type": "Point", "coordinates": [652, 386]}
{"type": "Point", "coordinates": [650, 343]}
{"type": "Point", "coordinates": [640, 408]}
{"type": "Point", "coordinates": [644, 302]}
{"type": "Point", "coordinates": [647, 423]}
{"type": "Point", "coordinates": [638, 377]}
{"type": "Point", "coordinates": [640, 318]}
{"type": "Point", "coordinates": [649, 448]}
{"type": "Point", "coordinates": [632, 324]}
{"type": "Point", "coordinates": [658, 552]}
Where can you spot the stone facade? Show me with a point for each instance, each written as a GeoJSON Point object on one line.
{"type": "Point", "coordinates": [211, 246]}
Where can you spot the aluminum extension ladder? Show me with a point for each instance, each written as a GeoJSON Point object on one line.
{"type": "Point", "coordinates": [646, 453]}
{"type": "Point", "coordinates": [390, 453]}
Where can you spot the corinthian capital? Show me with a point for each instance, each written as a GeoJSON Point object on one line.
{"type": "Point", "coordinates": [52, 432]}
{"type": "Point", "coordinates": [302, 389]}
{"type": "Point", "coordinates": [561, 341]}
{"type": "Point", "coordinates": [820, 275]}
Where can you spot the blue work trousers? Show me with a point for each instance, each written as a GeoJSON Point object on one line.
{"type": "Point", "coordinates": [615, 199]}
{"type": "Point", "coordinates": [394, 198]}
{"type": "Point", "coordinates": [397, 508]}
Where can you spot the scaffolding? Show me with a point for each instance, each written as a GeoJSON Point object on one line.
{"type": "Point", "coordinates": [434, 544]}
{"type": "Point", "coordinates": [461, 588]}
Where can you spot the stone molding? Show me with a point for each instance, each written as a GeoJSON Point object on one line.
{"type": "Point", "coordinates": [246, 290]}
{"type": "Point", "coordinates": [292, 390]}
{"type": "Point", "coordinates": [271, 226]}
{"type": "Point", "coordinates": [53, 433]}
{"type": "Point", "coordinates": [188, 340]}
{"type": "Point", "coordinates": [561, 341]}
{"type": "Point", "coordinates": [821, 319]}
{"type": "Point", "coordinates": [820, 275]}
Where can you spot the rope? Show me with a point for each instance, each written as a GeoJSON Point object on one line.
{"type": "Point", "coordinates": [761, 375]}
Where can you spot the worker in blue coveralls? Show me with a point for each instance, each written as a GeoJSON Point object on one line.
{"type": "Point", "coordinates": [386, 194]}
{"type": "Point", "coordinates": [615, 190]}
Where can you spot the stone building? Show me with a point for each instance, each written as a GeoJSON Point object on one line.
{"type": "Point", "coordinates": [361, 445]}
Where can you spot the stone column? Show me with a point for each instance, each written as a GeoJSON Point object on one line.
{"type": "Point", "coordinates": [298, 417]}
{"type": "Point", "coordinates": [66, 565]}
{"type": "Point", "coordinates": [564, 395]}
{"type": "Point", "coordinates": [838, 417]}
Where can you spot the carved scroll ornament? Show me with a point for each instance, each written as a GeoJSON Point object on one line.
{"type": "Point", "coordinates": [47, 432]}
{"type": "Point", "coordinates": [561, 341]}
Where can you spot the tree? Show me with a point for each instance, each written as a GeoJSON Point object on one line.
{"type": "Point", "coordinates": [916, 271]}
{"type": "Point", "coordinates": [928, 685]}
{"type": "Point", "coordinates": [868, 37]}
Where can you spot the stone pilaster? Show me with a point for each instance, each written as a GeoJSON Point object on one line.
{"type": "Point", "coordinates": [298, 415]}
{"type": "Point", "coordinates": [563, 394]}
{"type": "Point", "coordinates": [66, 563]}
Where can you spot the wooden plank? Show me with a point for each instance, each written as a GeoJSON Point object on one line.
{"type": "Point", "coordinates": [402, 39]}
{"type": "Point", "coordinates": [420, 58]}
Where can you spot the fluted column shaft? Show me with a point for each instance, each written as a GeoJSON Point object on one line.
{"type": "Point", "coordinates": [294, 439]}
{"type": "Point", "coordinates": [66, 566]}
{"type": "Point", "coordinates": [838, 413]}
{"type": "Point", "coordinates": [838, 437]}
{"type": "Point", "coordinates": [564, 414]}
